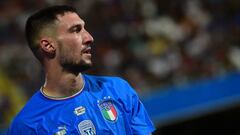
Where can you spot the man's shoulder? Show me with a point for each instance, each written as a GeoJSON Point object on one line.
{"type": "Point", "coordinates": [29, 107]}
{"type": "Point", "coordinates": [20, 121]}
{"type": "Point", "coordinates": [21, 124]}
{"type": "Point", "coordinates": [101, 76]}
{"type": "Point", "coordinates": [28, 115]}
{"type": "Point", "coordinates": [105, 79]}
{"type": "Point", "coordinates": [110, 82]}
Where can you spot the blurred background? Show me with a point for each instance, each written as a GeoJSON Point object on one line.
{"type": "Point", "coordinates": [181, 56]}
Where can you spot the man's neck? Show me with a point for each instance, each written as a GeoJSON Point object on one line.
{"type": "Point", "coordinates": [60, 84]}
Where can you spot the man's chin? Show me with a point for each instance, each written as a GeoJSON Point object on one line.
{"type": "Point", "coordinates": [77, 68]}
{"type": "Point", "coordinates": [85, 67]}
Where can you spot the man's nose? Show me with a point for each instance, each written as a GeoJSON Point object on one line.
{"type": "Point", "coordinates": [87, 38]}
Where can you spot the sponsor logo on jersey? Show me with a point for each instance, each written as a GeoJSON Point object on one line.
{"type": "Point", "coordinates": [108, 110]}
{"type": "Point", "coordinates": [79, 110]}
{"type": "Point", "coordinates": [86, 127]}
{"type": "Point", "coordinates": [62, 130]}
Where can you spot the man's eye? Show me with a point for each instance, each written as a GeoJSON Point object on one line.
{"type": "Point", "coordinates": [77, 30]}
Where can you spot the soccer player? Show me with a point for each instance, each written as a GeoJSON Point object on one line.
{"type": "Point", "coordinates": [71, 102]}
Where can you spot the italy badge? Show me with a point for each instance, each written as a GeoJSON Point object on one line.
{"type": "Point", "coordinates": [108, 110]}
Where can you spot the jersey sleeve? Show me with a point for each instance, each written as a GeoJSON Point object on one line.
{"type": "Point", "coordinates": [141, 124]}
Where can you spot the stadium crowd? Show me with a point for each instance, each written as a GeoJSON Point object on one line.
{"type": "Point", "coordinates": [151, 43]}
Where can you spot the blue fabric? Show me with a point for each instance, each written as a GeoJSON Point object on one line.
{"type": "Point", "coordinates": [44, 116]}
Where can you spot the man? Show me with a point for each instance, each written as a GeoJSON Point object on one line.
{"type": "Point", "coordinates": [71, 102]}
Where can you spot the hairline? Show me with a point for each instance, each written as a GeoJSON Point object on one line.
{"type": "Point", "coordinates": [52, 27]}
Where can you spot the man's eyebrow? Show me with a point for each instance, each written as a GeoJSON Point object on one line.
{"type": "Point", "coordinates": [72, 28]}
{"type": "Point", "coordinates": [79, 25]}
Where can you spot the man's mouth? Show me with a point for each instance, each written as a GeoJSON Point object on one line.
{"type": "Point", "coordinates": [87, 50]}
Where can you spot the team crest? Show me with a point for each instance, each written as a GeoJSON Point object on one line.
{"type": "Point", "coordinates": [108, 110]}
{"type": "Point", "coordinates": [86, 127]}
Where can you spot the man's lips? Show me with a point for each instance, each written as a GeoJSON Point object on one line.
{"type": "Point", "coordinates": [87, 50]}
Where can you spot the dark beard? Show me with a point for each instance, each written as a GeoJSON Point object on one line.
{"type": "Point", "coordinates": [69, 66]}
{"type": "Point", "coordinates": [75, 68]}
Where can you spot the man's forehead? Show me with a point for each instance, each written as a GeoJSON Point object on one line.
{"type": "Point", "coordinates": [70, 18]}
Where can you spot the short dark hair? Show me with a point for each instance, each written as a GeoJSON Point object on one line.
{"type": "Point", "coordinates": [39, 20]}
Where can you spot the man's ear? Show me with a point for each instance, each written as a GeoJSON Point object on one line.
{"type": "Point", "coordinates": [47, 46]}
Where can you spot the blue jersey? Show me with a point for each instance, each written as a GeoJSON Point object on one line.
{"type": "Point", "coordinates": [105, 106]}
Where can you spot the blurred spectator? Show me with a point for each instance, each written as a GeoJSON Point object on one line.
{"type": "Point", "coordinates": [12, 100]}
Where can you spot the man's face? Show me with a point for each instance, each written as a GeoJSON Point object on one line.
{"type": "Point", "coordinates": [74, 42]}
